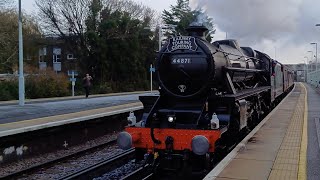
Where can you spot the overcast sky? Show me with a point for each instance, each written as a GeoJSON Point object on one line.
{"type": "Point", "coordinates": [281, 28]}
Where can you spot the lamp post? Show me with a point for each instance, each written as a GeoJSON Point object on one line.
{"type": "Point", "coordinates": [160, 37]}
{"type": "Point", "coordinates": [306, 64]}
{"type": "Point", "coordinates": [21, 77]}
{"type": "Point", "coordinates": [311, 59]}
{"type": "Point", "coordinates": [316, 55]}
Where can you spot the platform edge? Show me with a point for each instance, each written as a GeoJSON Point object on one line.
{"type": "Point", "coordinates": [220, 167]}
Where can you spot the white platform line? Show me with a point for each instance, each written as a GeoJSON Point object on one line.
{"type": "Point", "coordinates": [220, 167]}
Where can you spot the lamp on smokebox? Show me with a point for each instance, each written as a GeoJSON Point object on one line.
{"type": "Point", "coordinates": [171, 118]}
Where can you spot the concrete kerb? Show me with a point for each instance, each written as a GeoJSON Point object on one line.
{"type": "Point", "coordinates": [220, 167]}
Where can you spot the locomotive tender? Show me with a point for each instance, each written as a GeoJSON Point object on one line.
{"type": "Point", "coordinates": [210, 92]}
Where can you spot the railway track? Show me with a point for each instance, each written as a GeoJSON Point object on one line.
{"type": "Point", "coordinates": [97, 169]}
{"type": "Point", "coordinates": [100, 168]}
{"type": "Point", "coordinates": [141, 173]}
{"type": "Point", "coordinates": [47, 164]}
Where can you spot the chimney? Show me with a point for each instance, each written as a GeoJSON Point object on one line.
{"type": "Point", "coordinates": [197, 29]}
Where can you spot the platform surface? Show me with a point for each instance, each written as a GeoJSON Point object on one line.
{"type": "Point", "coordinates": [284, 147]}
{"type": "Point", "coordinates": [56, 106]}
{"type": "Point", "coordinates": [46, 113]}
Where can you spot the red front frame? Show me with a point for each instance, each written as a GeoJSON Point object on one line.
{"type": "Point", "coordinates": [182, 137]}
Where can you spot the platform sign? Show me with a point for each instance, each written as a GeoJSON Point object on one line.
{"type": "Point", "coordinates": [152, 69]}
{"type": "Point", "coordinates": [70, 72]}
{"type": "Point", "coordinates": [73, 79]}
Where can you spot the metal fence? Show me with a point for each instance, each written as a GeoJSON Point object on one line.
{"type": "Point", "coordinates": [313, 78]}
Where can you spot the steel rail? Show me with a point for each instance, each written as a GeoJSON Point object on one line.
{"type": "Point", "coordinates": [34, 168]}
{"type": "Point", "coordinates": [140, 173]}
{"type": "Point", "coordinates": [101, 167]}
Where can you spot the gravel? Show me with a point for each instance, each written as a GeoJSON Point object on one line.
{"type": "Point", "coordinates": [121, 171]}
{"type": "Point", "coordinates": [63, 168]}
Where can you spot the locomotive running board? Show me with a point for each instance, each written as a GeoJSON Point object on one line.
{"type": "Point", "coordinates": [246, 93]}
{"type": "Point", "coordinates": [243, 70]}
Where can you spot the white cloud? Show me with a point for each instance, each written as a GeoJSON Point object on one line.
{"type": "Point", "coordinates": [287, 26]}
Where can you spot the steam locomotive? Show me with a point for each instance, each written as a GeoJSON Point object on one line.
{"type": "Point", "coordinates": [210, 93]}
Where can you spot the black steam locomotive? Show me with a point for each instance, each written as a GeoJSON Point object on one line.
{"type": "Point", "coordinates": [210, 92]}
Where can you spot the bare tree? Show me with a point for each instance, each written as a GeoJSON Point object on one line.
{"type": "Point", "coordinates": [9, 38]}
{"type": "Point", "coordinates": [136, 10]}
{"type": "Point", "coordinates": [61, 17]}
{"type": "Point", "coordinates": [66, 19]}
{"type": "Point", "coordinates": [5, 3]}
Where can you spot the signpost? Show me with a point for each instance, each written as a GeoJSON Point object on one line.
{"type": "Point", "coordinates": [152, 69]}
{"type": "Point", "coordinates": [73, 80]}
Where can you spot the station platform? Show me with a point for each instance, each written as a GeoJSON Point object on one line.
{"type": "Point", "coordinates": [52, 112]}
{"type": "Point", "coordinates": [285, 145]}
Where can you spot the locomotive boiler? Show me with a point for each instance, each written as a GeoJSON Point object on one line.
{"type": "Point", "coordinates": [210, 92]}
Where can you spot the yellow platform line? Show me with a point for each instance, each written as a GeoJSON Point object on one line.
{"type": "Point", "coordinates": [286, 164]}
{"type": "Point", "coordinates": [302, 173]}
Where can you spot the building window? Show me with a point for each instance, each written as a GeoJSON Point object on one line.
{"type": "Point", "coordinates": [70, 56]}
{"type": "Point", "coordinates": [42, 54]}
{"type": "Point", "coordinates": [43, 51]}
{"type": "Point", "coordinates": [56, 55]}
{"type": "Point", "coordinates": [42, 59]}
{"type": "Point", "coordinates": [56, 58]}
{"type": "Point", "coordinates": [57, 51]}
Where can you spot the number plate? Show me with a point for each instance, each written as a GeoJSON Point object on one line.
{"type": "Point", "coordinates": [181, 61]}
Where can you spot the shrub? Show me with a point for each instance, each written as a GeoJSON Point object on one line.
{"type": "Point", "coordinates": [46, 84]}
{"type": "Point", "coordinates": [9, 90]}
{"type": "Point", "coordinates": [103, 88]}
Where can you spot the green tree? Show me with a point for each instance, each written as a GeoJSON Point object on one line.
{"type": "Point", "coordinates": [121, 47]}
{"type": "Point", "coordinates": [182, 15]}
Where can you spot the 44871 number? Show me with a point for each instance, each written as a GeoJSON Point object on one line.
{"type": "Point", "coordinates": [181, 61]}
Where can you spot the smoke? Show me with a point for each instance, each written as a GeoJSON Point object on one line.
{"type": "Point", "coordinates": [284, 27]}
{"type": "Point", "coordinates": [202, 19]}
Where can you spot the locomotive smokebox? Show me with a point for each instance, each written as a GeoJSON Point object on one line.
{"type": "Point", "coordinates": [197, 29]}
